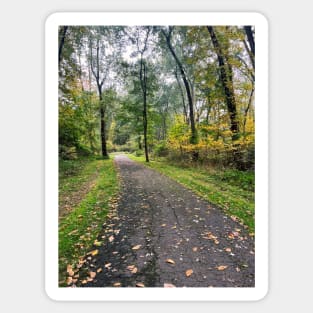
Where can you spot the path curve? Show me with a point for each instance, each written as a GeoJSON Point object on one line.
{"type": "Point", "coordinates": [162, 234]}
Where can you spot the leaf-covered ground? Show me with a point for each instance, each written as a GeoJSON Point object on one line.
{"type": "Point", "coordinates": [160, 234]}
{"type": "Point", "coordinates": [89, 187]}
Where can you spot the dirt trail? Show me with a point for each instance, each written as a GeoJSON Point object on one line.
{"type": "Point", "coordinates": [160, 230]}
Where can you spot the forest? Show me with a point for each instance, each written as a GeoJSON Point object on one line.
{"type": "Point", "coordinates": [185, 93]}
{"type": "Point", "coordinates": [136, 101]}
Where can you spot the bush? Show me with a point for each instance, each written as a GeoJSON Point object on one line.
{"type": "Point", "coordinates": [138, 153]}
{"type": "Point", "coordinates": [161, 149]}
{"type": "Point", "coordinates": [67, 153]}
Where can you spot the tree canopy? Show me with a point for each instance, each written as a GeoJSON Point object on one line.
{"type": "Point", "coordinates": [184, 92]}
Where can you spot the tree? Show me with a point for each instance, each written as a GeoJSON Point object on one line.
{"type": "Point", "coordinates": [226, 76]}
{"type": "Point", "coordinates": [99, 64]}
{"type": "Point", "coordinates": [143, 84]}
{"type": "Point", "coordinates": [168, 35]}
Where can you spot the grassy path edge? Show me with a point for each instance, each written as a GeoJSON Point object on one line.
{"type": "Point", "coordinates": [228, 198]}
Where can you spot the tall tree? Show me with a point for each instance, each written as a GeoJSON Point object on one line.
{"type": "Point", "coordinates": [142, 48]}
{"type": "Point", "coordinates": [100, 70]}
{"type": "Point", "coordinates": [62, 34]}
{"type": "Point", "coordinates": [226, 76]}
{"type": "Point", "coordinates": [251, 51]}
{"type": "Point", "coordinates": [168, 35]}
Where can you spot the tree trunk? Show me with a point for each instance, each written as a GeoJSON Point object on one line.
{"type": "Point", "coordinates": [227, 83]}
{"type": "Point", "coordinates": [194, 137]}
{"type": "Point", "coordinates": [143, 83]}
{"type": "Point", "coordinates": [102, 128]}
{"type": "Point", "coordinates": [250, 37]}
{"type": "Point", "coordinates": [64, 30]}
{"type": "Point", "coordinates": [182, 96]}
{"type": "Point", "coordinates": [96, 74]}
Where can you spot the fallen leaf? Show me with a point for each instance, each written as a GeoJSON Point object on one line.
{"type": "Point", "coordinates": [111, 238]}
{"type": "Point", "coordinates": [228, 249]}
{"type": "Point", "coordinates": [170, 261]}
{"type": "Point", "coordinates": [221, 267]}
{"type": "Point", "coordinates": [231, 236]}
{"type": "Point", "coordinates": [195, 249]}
{"type": "Point", "coordinates": [117, 285]}
{"type": "Point", "coordinates": [116, 231]}
{"type": "Point", "coordinates": [99, 270]}
{"type": "Point", "coordinates": [97, 243]}
{"type": "Point", "coordinates": [136, 247]}
{"type": "Point", "coordinates": [140, 285]}
{"type": "Point", "coordinates": [130, 267]}
{"type": "Point", "coordinates": [84, 281]}
{"type": "Point", "coordinates": [163, 225]}
{"type": "Point", "coordinates": [70, 270]}
{"type": "Point", "coordinates": [216, 242]}
{"type": "Point", "coordinates": [189, 272]}
{"type": "Point", "coordinates": [166, 285]}
{"type": "Point", "coordinates": [94, 252]}
{"type": "Point", "coordinates": [69, 280]}
{"type": "Point", "coordinates": [92, 274]}
{"type": "Point", "coordinates": [108, 265]}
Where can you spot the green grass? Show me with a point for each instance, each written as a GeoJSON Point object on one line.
{"type": "Point", "coordinates": [79, 229]}
{"type": "Point", "coordinates": [231, 190]}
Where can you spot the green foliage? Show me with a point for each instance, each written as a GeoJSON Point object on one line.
{"type": "Point", "coordinates": [138, 153]}
{"type": "Point", "coordinates": [161, 149]}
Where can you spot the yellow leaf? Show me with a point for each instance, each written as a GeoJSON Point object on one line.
{"type": "Point", "coordinates": [97, 243]}
{"type": "Point", "coordinates": [170, 261]}
{"type": "Point", "coordinates": [189, 272]}
{"type": "Point", "coordinates": [94, 252]}
{"type": "Point", "coordinates": [221, 267]}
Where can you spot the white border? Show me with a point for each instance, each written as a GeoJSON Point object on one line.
{"type": "Point", "coordinates": [51, 157]}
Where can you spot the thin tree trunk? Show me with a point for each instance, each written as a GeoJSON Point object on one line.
{"type": "Point", "coordinates": [246, 113]}
{"type": "Point", "coordinates": [102, 126]}
{"type": "Point", "coordinates": [96, 74]}
{"type": "Point", "coordinates": [250, 37]}
{"type": "Point", "coordinates": [143, 82]}
{"type": "Point", "coordinates": [194, 137]}
{"type": "Point", "coordinates": [182, 96]}
{"type": "Point", "coordinates": [64, 30]}
{"type": "Point", "coordinates": [226, 78]}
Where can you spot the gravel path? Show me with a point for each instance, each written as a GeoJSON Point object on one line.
{"type": "Point", "coordinates": [161, 234]}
